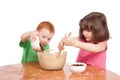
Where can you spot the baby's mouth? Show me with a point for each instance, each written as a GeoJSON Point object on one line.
{"type": "Point", "coordinates": [42, 44]}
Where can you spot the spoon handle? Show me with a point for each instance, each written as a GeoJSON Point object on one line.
{"type": "Point", "coordinates": [60, 50]}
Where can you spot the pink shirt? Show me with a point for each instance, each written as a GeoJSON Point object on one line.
{"type": "Point", "coordinates": [94, 59]}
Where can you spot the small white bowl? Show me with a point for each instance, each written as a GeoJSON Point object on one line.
{"type": "Point", "coordinates": [77, 67]}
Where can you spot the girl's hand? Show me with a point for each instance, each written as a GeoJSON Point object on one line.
{"type": "Point", "coordinates": [61, 45]}
{"type": "Point", "coordinates": [67, 40]}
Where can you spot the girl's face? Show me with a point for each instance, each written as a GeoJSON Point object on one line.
{"type": "Point", "coordinates": [88, 35]}
{"type": "Point", "coordinates": [45, 36]}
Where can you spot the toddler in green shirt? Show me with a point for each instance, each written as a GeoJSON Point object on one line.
{"type": "Point", "coordinates": [43, 34]}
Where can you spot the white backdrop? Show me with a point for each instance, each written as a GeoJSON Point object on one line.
{"type": "Point", "coordinates": [19, 16]}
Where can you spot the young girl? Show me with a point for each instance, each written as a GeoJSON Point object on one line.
{"type": "Point", "coordinates": [92, 40]}
{"type": "Point", "coordinates": [44, 33]}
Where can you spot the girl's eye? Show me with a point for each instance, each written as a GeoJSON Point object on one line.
{"type": "Point", "coordinates": [88, 30]}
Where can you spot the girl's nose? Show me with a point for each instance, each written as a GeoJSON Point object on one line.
{"type": "Point", "coordinates": [84, 32]}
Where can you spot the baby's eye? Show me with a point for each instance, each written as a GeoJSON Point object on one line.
{"type": "Point", "coordinates": [49, 39]}
{"type": "Point", "coordinates": [44, 36]}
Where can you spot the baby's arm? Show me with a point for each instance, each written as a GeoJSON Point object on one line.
{"type": "Point", "coordinates": [25, 36]}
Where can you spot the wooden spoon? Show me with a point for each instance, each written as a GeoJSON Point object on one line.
{"type": "Point", "coordinates": [61, 50]}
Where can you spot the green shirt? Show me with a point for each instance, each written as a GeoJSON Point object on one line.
{"type": "Point", "coordinates": [29, 55]}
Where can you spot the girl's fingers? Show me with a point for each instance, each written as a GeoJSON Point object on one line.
{"type": "Point", "coordinates": [61, 46]}
{"type": "Point", "coordinates": [67, 41]}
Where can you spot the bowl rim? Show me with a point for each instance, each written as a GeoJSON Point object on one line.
{"type": "Point", "coordinates": [71, 63]}
{"type": "Point", "coordinates": [75, 69]}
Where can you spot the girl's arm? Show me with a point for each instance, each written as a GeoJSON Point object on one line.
{"type": "Point", "coordinates": [25, 35]}
{"type": "Point", "coordinates": [87, 46]}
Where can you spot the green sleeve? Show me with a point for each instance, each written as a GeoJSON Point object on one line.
{"type": "Point", "coordinates": [29, 55]}
{"type": "Point", "coordinates": [46, 48]}
{"type": "Point", "coordinates": [23, 44]}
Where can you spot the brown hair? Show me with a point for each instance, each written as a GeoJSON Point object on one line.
{"type": "Point", "coordinates": [47, 25]}
{"type": "Point", "coordinates": [97, 23]}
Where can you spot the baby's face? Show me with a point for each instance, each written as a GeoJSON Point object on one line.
{"type": "Point", "coordinates": [45, 36]}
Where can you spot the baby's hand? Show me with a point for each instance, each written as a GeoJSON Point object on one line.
{"type": "Point", "coordinates": [33, 36]}
{"type": "Point", "coordinates": [36, 44]}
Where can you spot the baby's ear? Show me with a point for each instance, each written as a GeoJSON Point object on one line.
{"type": "Point", "coordinates": [37, 32]}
